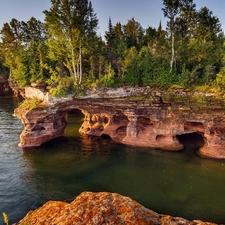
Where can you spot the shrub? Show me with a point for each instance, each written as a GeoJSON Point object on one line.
{"type": "Point", "coordinates": [57, 92]}
{"type": "Point", "coordinates": [220, 77]}
{"type": "Point", "coordinates": [108, 79]}
{"type": "Point", "coordinates": [32, 103]}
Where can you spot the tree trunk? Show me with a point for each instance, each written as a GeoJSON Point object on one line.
{"type": "Point", "coordinates": [100, 66]}
{"type": "Point", "coordinates": [172, 62]}
{"type": "Point", "coordinates": [74, 66]}
{"type": "Point", "coordinates": [80, 59]}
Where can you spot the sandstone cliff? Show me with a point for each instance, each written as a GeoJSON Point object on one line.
{"type": "Point", "coordinates": [134, 116]}
{"type": "Point", "coordinates": [100, 208]}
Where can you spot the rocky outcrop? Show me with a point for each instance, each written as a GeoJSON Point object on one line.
{"type": "Point", "coordinates": [100, 208]}
{"type": "Point", "coordinates": [134, 116]}
{"type": "Point", "coordinates": [40, 126]}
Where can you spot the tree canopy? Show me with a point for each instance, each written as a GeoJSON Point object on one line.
{"type": "Point", "coordinates": [66, 53]}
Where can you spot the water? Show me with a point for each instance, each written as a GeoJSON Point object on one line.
{"type": "Point", "coordinates": [176, 183]}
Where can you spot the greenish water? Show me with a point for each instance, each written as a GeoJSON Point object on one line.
{"type": "Point", "coordinates": [176, 183]}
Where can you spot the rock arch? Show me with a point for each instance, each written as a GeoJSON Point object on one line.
{"type": "Point", "coordinates": [147, 123]}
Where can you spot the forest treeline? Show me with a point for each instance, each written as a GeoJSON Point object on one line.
{"type": "Point", "coordinates": [67, 54]}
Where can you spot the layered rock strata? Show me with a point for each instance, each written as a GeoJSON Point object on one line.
{"type": "Point", "coordinates": [100, 208]}
{"type": "Point", "coordinates": [134, 116]}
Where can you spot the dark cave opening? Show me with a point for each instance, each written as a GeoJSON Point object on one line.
{"type": "Point", "coordinates": [194, 139]}
{"type": "Point", "coordinates": [105, 136]}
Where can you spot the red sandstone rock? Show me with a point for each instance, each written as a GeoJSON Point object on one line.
{"type": "Point", "coordinates": [151, 122]}
{"type": "Point", "coordinates": [40, 126]}
{"type": "Point", "coordinates": [100, 208]}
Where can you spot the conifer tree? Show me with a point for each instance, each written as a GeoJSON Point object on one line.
{"type": "Point", "coordinates": [110, 38]}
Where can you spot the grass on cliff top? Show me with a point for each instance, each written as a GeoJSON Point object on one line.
{"type": "Point", "coordinates": [32, 103]}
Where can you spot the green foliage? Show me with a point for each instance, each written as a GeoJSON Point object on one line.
{"type": "Point", "coordinates": [220, 77]}
{"type": "Point", "coordinates": [67, 54]}
{"type": "Point", "coordinates": [130, 68]}
{"type": "Point", "coordinates": [19, 72]}
{"type": "Point", "coordinates": [35, 58]}
{"type": "Point", "coordinates": [22, 50]}
{"type": "Point", "coordinates": [71, 25]}
{"type": "Point", "coordinates": [57, 92]}
{"type": "Point", "coordinates": [202, 88]}
{"type": "Point", "coordinates": [165, 78]}
{"type": "Point", "coordinates": [60, 86]}
{"type": "Point", "coordinates": [32, 103]}
{"type": "Point", "coordinates": [183, 78]}
{"type": "Point", "coordinates": [108, 79]}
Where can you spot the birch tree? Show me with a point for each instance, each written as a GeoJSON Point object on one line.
{"type": "Point", "coordinates": [71, 25]}
{"type": "Point", "coordinates": [171, 10]}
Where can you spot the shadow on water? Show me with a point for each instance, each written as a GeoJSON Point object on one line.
{"type": "Point", "coordinates": [175, 183]}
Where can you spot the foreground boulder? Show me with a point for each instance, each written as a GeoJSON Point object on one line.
{"type": "Point", "coordinates": [100, 208]}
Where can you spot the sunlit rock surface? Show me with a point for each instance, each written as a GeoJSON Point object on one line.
{"type": "Point", "coordinates": [133, 116]}
{"type": "Point", "coordinates": [100, 208]}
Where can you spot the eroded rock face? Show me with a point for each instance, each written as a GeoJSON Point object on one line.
{"type": "Point", "coordinates": [149, 122]}
{"type": "Point", "coordinates": [40, 126]}
{"type": "Point", "coordinates": [100, 208]}
{"type": "Point", "coordinates": [113, 124]}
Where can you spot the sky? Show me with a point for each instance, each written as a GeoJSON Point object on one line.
{"type": "Point", "coordinates": [146, 12]}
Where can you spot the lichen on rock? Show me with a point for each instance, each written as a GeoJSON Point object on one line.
{"type": "Point", "coordinates": [100, 208]}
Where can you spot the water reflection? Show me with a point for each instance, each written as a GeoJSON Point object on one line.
{"type": "Point", "coordinates": [175, 183]}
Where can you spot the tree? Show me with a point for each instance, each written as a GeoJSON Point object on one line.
{"type": "Point", "coordinates": [205, 44]}
{"type": "Point", "coordinates": [33, 30]}
{"type": "Point", "coordinates": [110, 38]}
{"type": "Point", "coordinates": [97, 58]}
{"type": "Point", "coordinates": [185, 24]}
{"type": "Point", "coordinates": [130, 67]}
{"type": "Point", "coordinates": [133, 33]}
{"type": "Point", "coordinates": [21, 49]}
{"type": "Point", "coordinates": [12, 50]}
{"type": "Point", "coordinates": [186, 21]}
{"type": "Point", "coordinates": [171, 10]}
{"type": "Point", "coordinates": [71, 26]}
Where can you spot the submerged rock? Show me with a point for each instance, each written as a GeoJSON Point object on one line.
{"type": "Point", "coordinates": [100, 208]}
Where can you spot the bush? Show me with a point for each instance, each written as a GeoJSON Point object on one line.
{"type": "Point", "coordinates": [57, 92]}
{"type": "Point", "coordinates": [163, 78]}
{"type": "Point", "coordinates": [220, 77]}
{"type": "Point", "coordinates": [108, 79]}
{"type": "Point", "coordinates": [61, 86]}
{"type": "Point", "coordinates": [32, 103]}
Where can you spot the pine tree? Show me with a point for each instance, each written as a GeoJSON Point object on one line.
{"type": "Point", "coordinates": [110, 38]}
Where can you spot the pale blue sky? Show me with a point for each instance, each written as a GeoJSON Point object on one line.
{"type": "Point", "coordinates": [146, 12]}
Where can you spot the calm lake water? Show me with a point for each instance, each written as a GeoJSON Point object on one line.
{"type": "Point", "coordinates": [176, 183]}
